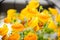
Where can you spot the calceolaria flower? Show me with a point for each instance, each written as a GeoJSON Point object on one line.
{"type": "Point", "coordinates": [31, 36]}
{"type": "Point", "coordinates": [14, 36]}
{"type": "Point", "coordinates": [53, 11]}
{"type": "Point", "coordinates": [18, 27]}
{"type": "Point", "coordinates": [31, 24]}
{"type": "Point", "coordinates": [4, 30]}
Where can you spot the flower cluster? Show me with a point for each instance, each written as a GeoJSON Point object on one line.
{"type": "Point", "coordinates": [31, 24]}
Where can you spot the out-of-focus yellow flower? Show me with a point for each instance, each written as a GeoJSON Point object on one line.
{"type": "Point", "coordinates": [52, 25]}
{"type": "Point", "coordinates": [43, 17]}
{"type": "Point", "coordinates": [30, 10]}
{"type": "Point", "coordinates": [33, 4]}
{"type": "Point", "coordinates": [31, 36]}
{"type": "Point", "coordinates": [17, 27]}
{"type": "Point", "coordinates": [7, 20]}
{"type": "Point", "coordinates": [45, 12]}
{"type": "Point", "coordinates": [14, 36]}
{"type": "Point", "coordinates": [58, 18]}
{"type": "Point", "coordinates": [28, 13]}
{"type": "Point", "coordinates": [11, 12]}
{"type": "Point", "coordinates": [53, 11]}
{"type": "Point", "coordinates": [33, 22]}
{"type": "Point", "coordinates": [4, 30]}
{"type": "Point", "coordinates": [24, 14]}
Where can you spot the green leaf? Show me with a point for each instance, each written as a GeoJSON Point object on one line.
{"type": "Point", "coordinates": [47, 30]}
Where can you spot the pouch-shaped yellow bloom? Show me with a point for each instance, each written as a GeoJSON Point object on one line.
{"type": "Point", "coordinates": [11, 12]}
{"type": "Point", "coordinates": [7, 20]}
{"type": "Point", "coordinates": [43, 17]}
{"type": "Point", "coordinates": [53, 11]}
{"type": "Point", "coordinates": [4, 30]}
{"type": "Point", "coordinates": [24, 14]}
{"type": "Point", "coordinates": [33, 4]}
{"type": "Point", "coordinates": [28, 13]}
{"type": "Point", "coordinates": [14, 36]}
{"type": "Point", "coordinates": [31, 36]}
{"type": "Point", "coordinates": [45, 12]}
{"type": "Point", "coordinates": [52, 25]}
{"type": "Point", "coordinates": [58, 18]}
{"type": "Point", "coordinates": [30, 10]}
{"type": "Point", "coordinates": [33, 22]}
{"type": "Point", "coordinates": [17, 27]}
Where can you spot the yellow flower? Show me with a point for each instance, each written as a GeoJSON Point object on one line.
{"type": "Point", "coordinates": [43, 17]}
{"type": "Point", "coordinates": [31, 36]}
{"type": "Point", "coordinates": [53, 11]}
{"type": "Point", "coordinates": [33, 22]}
{"type": "Point", "coordinates": [24, 14]}
{"type": "Point", "coordinates": [11, 12]}
{"type": "Point", "coordinates": [58, 18]}
{"type": "Point", "coordinates": [14, 36]}
{"type": "Point", "coordinates": [7, 20]}
{"type": "Point", "coordinates": [45, 12]}
{"type": "Point", "coordinates": [28, 13]}
{"type": "Point", "coordinates": [33, 4]}
{"type": "Point", "coordinates": [52, 25]}
{"type": "Point", "coordinates": [17, 27]}
{"type": "Point", "coordinates": [3, 30]}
